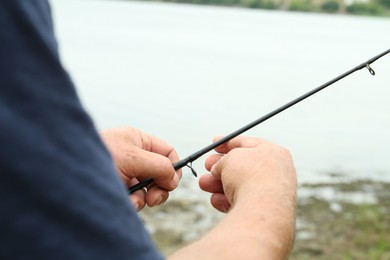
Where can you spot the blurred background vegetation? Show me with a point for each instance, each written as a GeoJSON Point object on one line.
{"type": "Point", "coordinates": [353, 7]}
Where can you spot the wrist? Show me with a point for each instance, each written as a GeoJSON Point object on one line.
{"type": "Point", "coordinates": [270, 227]}
{"type": "Point", "coordinates": [270, 213]}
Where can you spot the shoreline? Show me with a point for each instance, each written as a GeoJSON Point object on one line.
{"type": "Point", "coordinates": [341, 219]}
{"type": "Point", "coordinates": [379, 8]}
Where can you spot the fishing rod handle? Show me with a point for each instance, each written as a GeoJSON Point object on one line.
{"type": "Point", "coordinates": [177, 165]}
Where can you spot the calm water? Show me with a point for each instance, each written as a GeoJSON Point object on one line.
{"type": "Point", "coordinates": [187, 73]}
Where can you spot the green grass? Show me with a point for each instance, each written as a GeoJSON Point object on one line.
{"type": "Point", "coordinates": [358, 231]}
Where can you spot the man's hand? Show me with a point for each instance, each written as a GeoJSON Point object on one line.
{"type": "Point", "coordinates": [247, 167]}
{"type": "Point", "coordinates": [253, 181]}
{"type": "Point", "coordinates": [139, 156]}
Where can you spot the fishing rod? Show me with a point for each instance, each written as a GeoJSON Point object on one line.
{"type": "Point", "coordinates": [188, 160]}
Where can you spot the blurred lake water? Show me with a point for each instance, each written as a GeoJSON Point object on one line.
{"type": "Point", "coordinates": [187, 73]}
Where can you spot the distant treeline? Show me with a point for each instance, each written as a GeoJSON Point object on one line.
{"type": "Point", "coordinates": [357, 7]}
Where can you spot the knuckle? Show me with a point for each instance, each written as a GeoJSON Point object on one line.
{"type": "Point", "coordinates": [166, 165]}
{"type": "Point", "coordinates": [285, 153]}
{"type": "Point", "coordinates": [235, 152]}
{"type": "Point", "coordinates": [131, 159]}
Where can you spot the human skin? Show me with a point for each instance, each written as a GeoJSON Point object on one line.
{"type": "Point", "coordinates": [252, 180]}
{"type": "Point", "coordinates": [138, 156]}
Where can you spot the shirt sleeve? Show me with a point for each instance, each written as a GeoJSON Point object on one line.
{"type": "Point", "coordinates": [60, 195]}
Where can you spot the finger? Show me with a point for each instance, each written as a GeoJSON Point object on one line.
{"type": "Point", "coordinates": [211, 160]}
{"type": "Point", "coordinates": [219, 202]}
{"type": "Point", "coordinates": [137, 198]}
{"type": "Point", "coordinates": [216, 169]}
{"type": "Point", "coordinates": [238, 142]}
{"type": "Point", "coordinates": [160, 147]}
{"type": "Point", "coordinates": [209, 183]}
{"type": "Point", "coordinates": [143, 164]}
{"type": "Point", "coordinates": [156, 145]}
{"type": "Point", "coordinates": [156, 196]}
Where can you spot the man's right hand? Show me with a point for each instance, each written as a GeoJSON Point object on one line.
{"type": "Point", "coordinates": [248, 168]}
{"type": "Point", "coordinates": [253, 181]}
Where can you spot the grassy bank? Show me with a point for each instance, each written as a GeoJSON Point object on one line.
{"type": "Point", "coordinates": [358, 7]}
{"type": "Point", "coordinates": [348, 220]}
{"type": "Point", "coordinates": [345, 227]}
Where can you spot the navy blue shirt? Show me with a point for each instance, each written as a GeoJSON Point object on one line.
{"type": "Point", "coordinates": [60, 196]}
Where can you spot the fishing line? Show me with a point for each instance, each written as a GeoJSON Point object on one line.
{"type": "Point", "coordinates": [188, 160]}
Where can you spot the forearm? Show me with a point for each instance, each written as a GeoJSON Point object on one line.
{"type": "Point", "coordinates": [257, 229]}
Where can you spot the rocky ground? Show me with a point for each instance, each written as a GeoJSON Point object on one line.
{"type": "Point", "coordinates": [336, 220]}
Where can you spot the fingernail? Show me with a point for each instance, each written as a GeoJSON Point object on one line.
{"type": "Point", "coordinates": [213, 168]}
{"type": "Point", "coordinates": [175, 181]}
{"type": "Point", "coordinates": [135, 203]}
{"type": "Point", "coordinates": [158, 201]}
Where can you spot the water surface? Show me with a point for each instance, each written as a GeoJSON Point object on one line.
{"type": "Point", "coordinates": [187, 73]}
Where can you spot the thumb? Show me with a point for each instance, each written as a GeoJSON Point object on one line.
{"type": "Point", "coordinates": [143, 164]}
